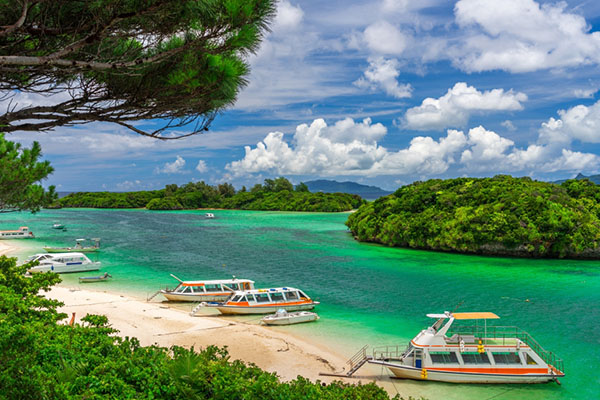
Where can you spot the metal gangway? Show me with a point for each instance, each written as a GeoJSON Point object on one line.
{"type": "Point", "coordinates": [354, 364]}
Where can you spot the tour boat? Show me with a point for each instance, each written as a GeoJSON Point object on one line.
{"type": "Point", "coordinates": [78, 248]}
{"type": "Point", "coordinates": [63, 263]}
{"type": "Point", "coordinates": [214, 290]}
{"type": "Point", "coordinates": [282, 317]}
{"type": "Point", "coordinates": [479, 354]}
{"type": "Point", "coordinates": [21, 233]}
{"type": "Point", "coordinates": [265, 301]}
{"type": "Point", "coordinates": [92, 279]}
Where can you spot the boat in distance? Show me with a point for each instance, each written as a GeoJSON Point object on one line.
{"type": "Point", "coordinates": [92, 279]}
{"type": "Point", "coordinates": [62, 263]}
{"type": "Point", "coordinates": [209, 215]}
{"type": "Point", "coordinates": [265, 301]}
{"type": "Point", "coordinates": [282, 317]}
{"type": "Point", "coordinates": [58, 225]}
{"type": "Point", "coordinates": [21, 233]}
{"type": "Point", "coordinates": [78, 248]}
{"type": "Point", "coordinates": [471, 354]}
{"type": "Point", "coordinates": [207, 290]}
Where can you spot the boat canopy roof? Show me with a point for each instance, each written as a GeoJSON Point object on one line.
{"type": "Point", "coordinates": [466, 315]}
{"type": "Point", "coordinates": [56, 255]}
{"type": "Point", "coordinates": [216, 282]}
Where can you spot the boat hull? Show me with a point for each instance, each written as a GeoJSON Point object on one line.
{"type": "Point", "coordinates": [262, 309]}
{"type": "Point", "coordinates": [408, 372]}
{"type": "Point", "coordinates": [194, 297]}
{"type": "Point", "coordinates": [65, 269]}
{"type": "Point", "coordinates": [290, 319]}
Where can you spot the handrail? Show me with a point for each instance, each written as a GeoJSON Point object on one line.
{"type": "Point", "coordinates": [509, 332]}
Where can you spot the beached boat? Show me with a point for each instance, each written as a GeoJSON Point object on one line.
{"type": "Point", "coordinates": [92, 279]}
{"type": "Point", "coordinates": [62, 263]}
{"type": "Point", "coordinates": [213, 290]}
{"type": "Point", "coordinates": [79, 247]}
{"type": "Point", "coordinates": [21, 233]}
{"type": "Point", "coordinates": [282, 317]}
{"type": "Point", "coordinates": [265, 301]}
{"type": "Point", "coordinates": [471, 354]}
{"type": "Point", "coordinates": [209, 215]}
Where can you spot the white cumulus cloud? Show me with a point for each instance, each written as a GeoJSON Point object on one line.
{"type": "Point", "coordinates": [175, 167]}
{"type": "Point", "coordinates": [577, 123]}
{"type": "Point", "coordinates": [384, 38]}
{"type": "Point", "coordinates": [383, 73]}
{"type": "Point", "coordinates": [455, 107]}
{"type": "Point", "coordinates": [522, 36]}
{"type": "Point", "coordinates": [201, 167]}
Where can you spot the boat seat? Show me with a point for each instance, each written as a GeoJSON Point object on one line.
{"type": "Point", "coordinates": [457, 338]}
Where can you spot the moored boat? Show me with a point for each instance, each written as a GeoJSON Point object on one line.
{"type": "Point", "coordinates": [21, 233]}
{"type": "Point", "coordinates": [265, 301]}
{"type": "Point", "coordinates": [92, 279]}
{"type": "Point", "coordinates": [209, 215]}
{"type": "Point", "coordinates": [79, 247]}
{"type": "Point", "coordinates": [479, 354]}
{"type": "Point", "coordinates": [61, 263]}
{"type": "Point", "coordinates": [282, 317]}
{"type": "Point", "coordinates": [208, 290]}
{"type": "Point", "coordinates": [58, 226]}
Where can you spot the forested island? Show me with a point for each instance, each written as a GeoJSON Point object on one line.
{"type": "Point", "coordinates": [274, 195]}
{"type": "Point", "coordinates": [502, 215]}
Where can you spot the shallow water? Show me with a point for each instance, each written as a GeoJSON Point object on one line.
{"type": "Point", "coordinates": [369, 294]}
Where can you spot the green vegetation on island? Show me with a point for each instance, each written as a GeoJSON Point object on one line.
{"type": "Point", "coordinates": [495, 216]}
{"type": "Point", "coordinates": [44, 358]}
{"type": "Point", "coordinates": [274, 195]}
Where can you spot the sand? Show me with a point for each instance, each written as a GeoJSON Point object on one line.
{"type": "Point", "coordinates": [6, 249]}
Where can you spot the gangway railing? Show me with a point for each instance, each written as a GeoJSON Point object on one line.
{"type": "Point", "coordinates": [505, 333]}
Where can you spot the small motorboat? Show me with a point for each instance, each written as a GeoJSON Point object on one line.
{"type": "Point", "coordinates": [209, 215]}
{"type": "Point", "coordinates": [282, 317]}
{"type": "Point", "coordinates": [91, 279]}
{"type": "Point", "coordinates": [58, 226]}
{"type": "Point", "coordinates": [62, 263]}
{"type": "Point", "coordinates": [80, 247]}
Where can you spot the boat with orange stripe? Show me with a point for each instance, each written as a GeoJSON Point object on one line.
{"type": "Point", "coordinates": [470, 354]}
{"type": "Point", "coordinates": [208, 290]}
{"type": "Point", "coordinates": [265, 301]}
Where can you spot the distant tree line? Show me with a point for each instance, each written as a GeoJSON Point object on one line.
{"type": "Point", "coordinates": [274, 195]}
{"type": "Point", "coordinates": [42, 358]}
{"type": "Point", "coordinates": [500, 215]}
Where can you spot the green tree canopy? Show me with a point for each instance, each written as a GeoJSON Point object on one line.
{"type": "Point", "coordinates": [121, 61]}
{"type": "Point", "coordinates": [20, 171]}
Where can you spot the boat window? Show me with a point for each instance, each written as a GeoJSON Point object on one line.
{"type": "Point", "coordinates": [187, 290]}
{"type": "Point", "coordinates": [235, 299]}
{"type": "Point", "coordinates": [302, 294]}
{"type": "Point", "coordinates": [529, 360]}
{"type": "Point", "coordinates": [443, 357]}
{"type": "Point", "coordinates": [506, 358]}
{"type": "Point", "coordinates": [213, 288]}
{"type": "Point", "coordinates": [277, 296]}
{"type": "Point", "coordinates": [234, 286]}
{"type": "Point", "coordinates": [262, 298]}
{"type": "Point", "coordinates": [250, 297]}
{"type": "Point", "coordinates": [475, 358]}
{"type": "Point", "coordinates": [291, 295]}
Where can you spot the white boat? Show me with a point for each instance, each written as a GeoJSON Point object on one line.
{"type": "Point", "coordinates": [58, 226]}
{"type": "Point", "coordinates": [61, 263]}
{"type": "Point", "coordinates": [209, 215]}
{"type": "Point", "coordinates": [479, 354]}
{"type": "Point", "coordinates": [21, 233]}
{"type": "Point", "coordinates": [79, 247]}
{"type": "Point", "coordinates": [92, 279]}
{"type": "Point", "coordinates": [213, 290]}
{"type": "Point", "coordinates": [282, 317]}
{"type": "Point", "coordinates": [265, 301]}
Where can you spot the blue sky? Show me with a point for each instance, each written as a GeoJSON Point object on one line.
{"type": "Point", "coordinates": [381, 92]}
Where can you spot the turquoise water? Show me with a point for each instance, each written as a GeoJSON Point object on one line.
{"type": "Point", "coordinates": [369, 294]}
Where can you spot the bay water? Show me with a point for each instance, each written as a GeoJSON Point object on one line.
{"type": "Point", "coordinates": [369, 294]}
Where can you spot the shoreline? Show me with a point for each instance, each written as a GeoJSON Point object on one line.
{"type": "Point", "coordinates": [161, 324]}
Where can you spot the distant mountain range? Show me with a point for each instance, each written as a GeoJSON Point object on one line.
{"type": "Point", "coordinates": [364, 191]}
{"type": "Point", "coordinates": [593, 178]}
